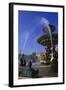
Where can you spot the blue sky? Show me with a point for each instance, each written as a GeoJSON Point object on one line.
{"type": "Point", "coordinates": [30, 29]}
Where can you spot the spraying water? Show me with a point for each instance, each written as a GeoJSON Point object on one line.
{"type": "Point", "coordinates": [28, 35]}
{"type": "Point", "coordinates": [26, 39]}
{"type": "Point", "coordinates": [45, 23]}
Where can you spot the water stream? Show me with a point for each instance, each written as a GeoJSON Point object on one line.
{"type": "Point", "coordinates": [45, 23]}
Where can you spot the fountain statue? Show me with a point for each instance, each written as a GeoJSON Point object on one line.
{"type": "Point", "coordinates": [50, 40]}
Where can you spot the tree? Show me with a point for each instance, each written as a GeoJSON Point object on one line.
{"type": "Point", "coordinates": [43, 57]}
{"type": "Point", "coordinates": [33, 57]}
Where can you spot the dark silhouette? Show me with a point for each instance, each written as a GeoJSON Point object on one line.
{"type": "Point", "coordinates": [23, 62]}
{"type": "Point", "coordinates": [30, 64]}
{"type": "Point", "coordinates": [33, 71]}
{"type": "Point", "coordinates": [55, 61]}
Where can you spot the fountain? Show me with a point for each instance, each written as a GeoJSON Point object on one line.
{"type": "Point", "coordinates": [49, 39]}
{"type": "Point", "coordinates": [47, 27]}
